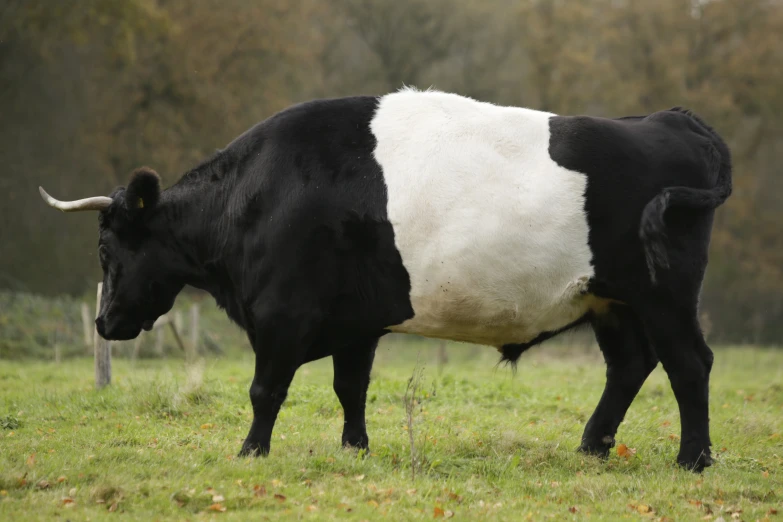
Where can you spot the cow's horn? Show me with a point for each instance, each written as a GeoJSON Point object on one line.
{"type": "Point", "coordinates": [94, 203]}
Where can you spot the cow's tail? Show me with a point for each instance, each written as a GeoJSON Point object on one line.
{"type": "Point", "coordinates": [652, 229]}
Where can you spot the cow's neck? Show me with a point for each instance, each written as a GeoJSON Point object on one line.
{"type": "Point", "coordinates": [192, 215]}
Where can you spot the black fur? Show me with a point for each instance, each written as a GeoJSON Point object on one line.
{"type": "Point", "coordinates": [653, 183]}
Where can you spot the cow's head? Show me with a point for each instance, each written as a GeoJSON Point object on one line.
{"type": "Point", "coordinates": [140, 282]}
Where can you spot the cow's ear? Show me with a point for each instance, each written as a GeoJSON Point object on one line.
{"type": "Point", "coordinates": [143, 190]}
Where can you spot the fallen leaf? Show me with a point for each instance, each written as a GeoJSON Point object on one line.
{"type": "Point", "coordinates": [206, 426]}
{"type": "Point", "coordinates": [259, 490]}
{"type": "Point", "coordinates": [572, 509]}
{"type": "Point", "coordinates": [312, 508]}
{"type": "Point", "coordinates": [438, 512]}
{"type": "Point", "coordinates": [218, 498]}
{"type": "Point", "coordinates": [674, 436]}
{"type": "Point", "coordinates": [61, 478]}
{"type": "Point", "coordinates": [448, 514]}
{"type": "Point", "coordinates": [31, 461]}
{"type": "Point", "coordinates": [411, 491]}
{"type": "Point", "coordinates": [665, 423]}
{"type": "Point", "coordinates": [765, 474]}
{"type": "Point", "coordinates": [217, 507]}
{"type": "Point", "coordinates": [372, 503]}
{"type": "Point", "coordinates": [42, 484]}
{"type": "Point", "coordinates": [772, 511]}
{"type": "Point", "coordinates": [359, 477]}
{"type": "Point", "coordinates": [644, 508]}
{"type": "Point", "coordinates": [68, 501]}
{"type": "Point", "coordinates": [113, 507]}
{"type": "Point", "coordinates": [3, 493]}
{"type": "Point", "coordinates": [694, 502]}
{"type": "Point", "coordinates": [625, 451]}
{"type": "Point", "coordinates": [72, 492]}
{"type": "Point", "coordinates": [279, 497]}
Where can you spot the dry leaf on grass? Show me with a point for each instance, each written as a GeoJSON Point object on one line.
{"type": "Point", "coordinates": [217, 507]}
{"type": "Point", "coordinates": [572, 509]}
{"type": "Point", "coordinates": [42, 484]}
{"type": "Point", "coordinates": [279, 497]}
{"type": "Point", "coordinates": [625, 451]}
{"type": "Point", "coordinates": [642, 509]}
{"type": "Point", "coordinates": [438, 512]}
{"type": "Point", "coordinates": [259, 490]}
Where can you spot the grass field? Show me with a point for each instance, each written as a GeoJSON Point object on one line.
{"type": "Point", "coordinates": [491, 445]}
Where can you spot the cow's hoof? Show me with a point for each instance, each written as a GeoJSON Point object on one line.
{"type": "Point", "coordinates": [695, 459]}
{"type": "Point", "coordinates": [358, 442]}
{"type": "Point", "coordinates": [253, 449]}
{"type": "Point", "coordinates": [598, 448]}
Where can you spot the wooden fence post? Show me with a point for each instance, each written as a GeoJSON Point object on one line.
{"type": "Point", "coordinates": [159, 340]}
{"type": "Point", "coordinates": [57, 354]}
{"type": "Point", "coordinates": [179, 322]}
{"type": "Point", "coordinates": [192, 346]}
{"type": "Point", "coordinates": [443, 357]}
{"type": "Point", "coordinates": [102, 351]}
{"type": "Point", "coordinates": [87, 325]}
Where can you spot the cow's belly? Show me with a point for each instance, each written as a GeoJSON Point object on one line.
{"type": "Point", "coordinates": [493, 318]}
{"type": "Point", "coordinates": [493, 233]}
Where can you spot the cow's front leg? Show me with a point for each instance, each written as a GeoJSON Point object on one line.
{"type": "Point", "coordinates": [352, 366]}
{"type": "Point", "coordinates": [276, 364]}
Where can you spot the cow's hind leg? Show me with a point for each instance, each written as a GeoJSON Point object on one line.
{"type": "Point", "coordinates": [352, 366]}
{"type": "Point", "coordinates": [678, 342]}
{"type": "Point", "coordinates": [629, 360]}
{"type": "Point", "coordinates": [279, 352]}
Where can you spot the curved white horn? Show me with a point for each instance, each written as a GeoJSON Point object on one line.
{"type": "Point", "coordinates": [94, 203]}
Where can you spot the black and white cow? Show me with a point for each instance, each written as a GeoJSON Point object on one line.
{"type": "Point", "coordinates": [336, 221]}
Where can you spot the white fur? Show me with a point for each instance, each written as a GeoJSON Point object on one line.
{"type": "Point", "coordinates": [493, 233]}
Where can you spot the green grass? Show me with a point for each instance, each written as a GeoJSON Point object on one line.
{"type": "Point", "coordinates": [493, 445]}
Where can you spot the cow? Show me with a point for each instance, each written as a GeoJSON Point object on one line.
{"type": "Point", "coordinates": [337, 221]}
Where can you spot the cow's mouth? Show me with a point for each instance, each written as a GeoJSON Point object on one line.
{"type": "Point", "coordinates": [147, 325]}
